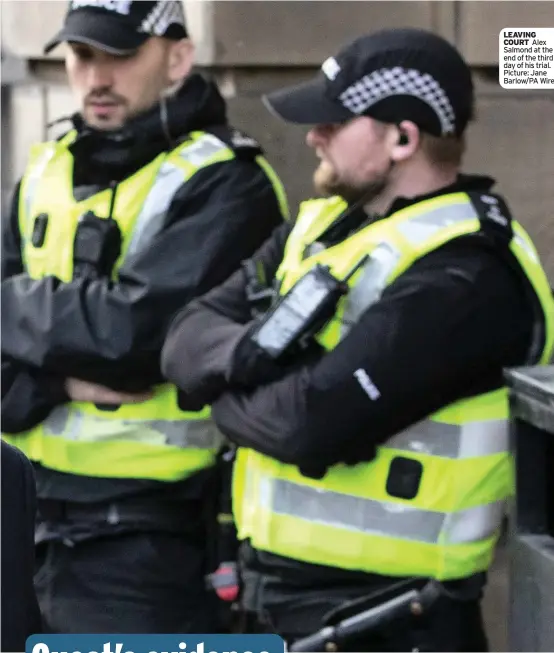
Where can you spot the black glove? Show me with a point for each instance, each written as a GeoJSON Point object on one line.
{"type": "Point", "coordinates": [250, 366]}
{"type": "Point", "coordinates": [244, 366]}
{"type": "Point", "coordinates": [237, 364]}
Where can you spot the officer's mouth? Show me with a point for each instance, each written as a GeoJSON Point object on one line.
{"type": "Point", "coordinates": [103, 109]}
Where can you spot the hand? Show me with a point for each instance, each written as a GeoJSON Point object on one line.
{"type": "Point", "coordinates": [250, 366]}
{"type": "Point", "coordinates": [79, 390]}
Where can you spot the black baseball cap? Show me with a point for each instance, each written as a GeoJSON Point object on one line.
{"type": "Point", "coordinates": [120, 26]}
{"type": "Point", "coordinates": [390, 75]}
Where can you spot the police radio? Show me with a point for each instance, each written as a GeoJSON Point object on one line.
{"type": "Point", "coordinates": [97, 244]}
{"type": "Point", "coordinates": [302, 311]}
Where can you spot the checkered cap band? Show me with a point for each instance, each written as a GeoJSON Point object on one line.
{"type": "Point", "coordinates": [386, 82]}
{"type": "Point", "coordinates": [164, 14]}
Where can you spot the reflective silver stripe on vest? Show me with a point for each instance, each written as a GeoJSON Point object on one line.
{"type": "Point", "coordinates": [190, 434]}
{"type": "Point", "coordinates": [203, 149]}
{"type": "Point", "coordinates": [168, 180]}
{"type": "Point", "coordinates": [31, 187]}
{"type": "Point", "coordinates": [451, 441]}
{"type": "Point", "coordinates": [423, 227]}
{"type": "Point", "coordinates": [380, 518]}
{"type": "Point", "coordinates": [150, 220]}
{"type": "Point", "coordinates": [77, 426]}
{"type": "Point", "coordinates": [538, 336]}
{"type": "Point", "coordinates": [524, 245]}
{"type": "Point", "coordinates": [384, 258]}
{"type": "Point", "coordinates": [474, 524]}
{"type": "Point", "coordinates": [370, 284]}
{"type": "Point", "coordinates": [62, 421]}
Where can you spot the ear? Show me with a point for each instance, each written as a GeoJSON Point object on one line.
{"type": "Point", "coordinates": [180, 60]}
{"type": "Point", "coordinates": [407, 141]}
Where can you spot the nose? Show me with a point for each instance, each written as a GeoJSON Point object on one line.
{"type": "Point", "coordinates": [99, 75]}
{"type": "Point", "coordinates": [318, 135]}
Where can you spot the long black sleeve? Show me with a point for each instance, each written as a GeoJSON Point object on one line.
{"type": "Point", "coordinates": [28, 394]}
{"type": "Point", "coordinates": [443, 330]}
{"type": "Point", "coordinates": [112, 333]}
{"type": "Point", "coordinates": [219, 321]}
{"type": "Point", "coordinates": [12, 262]}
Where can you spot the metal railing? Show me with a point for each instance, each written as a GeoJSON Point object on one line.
{"type": "Point", "coordinates": [531, 619]}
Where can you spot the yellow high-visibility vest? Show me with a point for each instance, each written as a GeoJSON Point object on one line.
{"type": "Point", "coordinates": [153, 440]}
{"type": "Point", "coordinates": [348, 519]}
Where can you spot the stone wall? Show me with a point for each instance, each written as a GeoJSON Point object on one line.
{"type": "Point", "coordinates": [252, 47]}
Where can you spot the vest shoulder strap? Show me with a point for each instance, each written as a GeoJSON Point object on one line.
{"type": "Point", "coordinates": [498, 224]}
{"type": "Point", "coordinates": [66, 138]}
{"type": "Point", "coordinates": [494, 215]}
{"type": "Point", "coordinates": [315, 212]}
{"type": "Point", "coordinates": [325, 204]}
{"type": "Point", "coordinates": [243, 145]}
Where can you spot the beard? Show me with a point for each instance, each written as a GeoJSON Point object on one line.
{"type": "Point", "coordinates": [328, 183]}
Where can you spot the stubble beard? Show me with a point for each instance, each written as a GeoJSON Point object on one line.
{"type": "Point", "coordinates": [328, 183]}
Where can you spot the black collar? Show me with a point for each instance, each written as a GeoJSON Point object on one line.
{"type": "Point", "coordinates": [462, 184]}
{"type": "Point", "coordinates": [355, 217]}
{"type": "Point", "coordinates": [102, 157]}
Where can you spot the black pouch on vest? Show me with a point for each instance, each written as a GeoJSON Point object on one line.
{"type": "Point", "coordinates": [97, 245]}
{"type": "Point", "coordinates": [404, 477]}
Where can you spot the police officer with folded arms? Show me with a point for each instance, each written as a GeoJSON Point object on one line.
{"type": "Point", "coordinates": [366, 397]}
{"type": "Point", "coordinates": [149, 200]}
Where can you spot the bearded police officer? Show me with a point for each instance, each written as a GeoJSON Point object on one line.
{"type": "Point", "coordinates": [367, 401]}
{"type": "Point", "coordinates": [148, 201]}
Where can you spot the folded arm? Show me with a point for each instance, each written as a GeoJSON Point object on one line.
{"type": "Point", "coordinates": [28, 395]}
{"type": "Point", "coordinates": [199, 354]}
{"type": "Point", "coordinates": [112, 332]}
{"type": "Point", "coordinates": [442, 331]}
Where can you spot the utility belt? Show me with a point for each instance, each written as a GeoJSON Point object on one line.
{"type": "Point", "coordinates": [337, 605]}
{"type": "Point", "coordinates": [133, 512]}
{"type": "Point", "coordinates": [224, 578]}
{"type": "Point", "coordinates": [359, 618]}
{"type": "Point", "coordinates": [337, 620]}
{"type": "Point", "coordinates": [408, 599]}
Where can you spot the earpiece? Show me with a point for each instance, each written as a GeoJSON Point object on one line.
{"type": "Point", "coordinates": [403, 138]}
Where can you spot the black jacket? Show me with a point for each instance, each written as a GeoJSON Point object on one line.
{"type": "Point", "coordinates": [113, 333]}
{"type": "Point", "coordinates": [445, 329]}
{"type": "Point", "coordinates": [20, 611]}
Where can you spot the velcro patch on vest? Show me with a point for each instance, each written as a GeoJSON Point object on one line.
{"type": "Point", "coordinates": [240, 142]}
{"type": "Point", "coordinates": [494, 214]}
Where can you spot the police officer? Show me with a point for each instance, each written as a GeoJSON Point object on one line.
{"type": "Point", "coordinates": [148, 201]}
{"type": "Point", "coordinates": [368, 401]}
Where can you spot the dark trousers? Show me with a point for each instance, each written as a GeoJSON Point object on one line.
{"type": "Point", "coordinates": [145, 582]}
{"type": "Point", "coordinates": [451, 625]}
